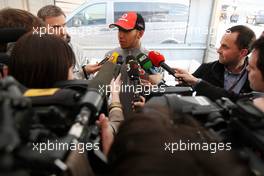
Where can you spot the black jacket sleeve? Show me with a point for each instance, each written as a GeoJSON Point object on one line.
{"type": "Point", "coordinates": [213, 92]}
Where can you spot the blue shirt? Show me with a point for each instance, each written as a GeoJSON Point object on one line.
{"type": "Point", "coordinates": [234, 82]}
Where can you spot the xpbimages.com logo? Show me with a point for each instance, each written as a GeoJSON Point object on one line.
{"type": "Point", "coordinates": [212, 147]}
{"type": "Point", "coordinates": [51, 30]}
{"type": "Point", "coordinates": [124, 88]}
{"type": "Point", "coordinates": [64, 146]}
{"type": "Point", "coordinates": [81, 32]}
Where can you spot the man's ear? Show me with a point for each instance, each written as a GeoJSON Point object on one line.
{"type": "Point", "coordinates": [244, 52]}
{"type": "Point", "coordinates": [140, 34]}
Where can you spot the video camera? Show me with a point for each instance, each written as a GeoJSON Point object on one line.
{"type": "Point", "coordinates": [240, 123]}
{"type": "Point", "coordinates": [32, 121]}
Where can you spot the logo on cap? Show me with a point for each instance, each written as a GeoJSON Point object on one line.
{"type": "Point", "coordinates": [123, 17]}
{"type": "Point", "coordinates": [129, 21]}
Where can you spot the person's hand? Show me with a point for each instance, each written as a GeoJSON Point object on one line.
{"type": "Point", "coordinates": [92, 68]}
{"type": "Point", "coordinates": [107, 135]}
{"type": "Point", "coordinates": [184, 75]}
{"type": "Point", "coordinates": [115, 88]}
{"type": "Point", "coordinates": [145, 82]}
{"type": "Point", "coordinates": [259, 102]}
{"type": "Point", "coordinates": [138, 104]}
{"type": "Point", "coordinates": [155, 78]}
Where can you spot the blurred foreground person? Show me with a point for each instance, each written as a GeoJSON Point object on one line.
{"type": "Point", "coordinates": [256, 72]}
{"type": "Point", "coordinates": [146, 145]}
{"type": "Point", "coordinates": [36, 61]}
{"type": "Point", "coordinates": [13, 24]}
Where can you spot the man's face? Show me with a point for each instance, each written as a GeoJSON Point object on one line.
{"type": "Point", "coordinates": [129, 39]}
{"type": "Point", "coordinates": [56, 25]}
{"type": "Point", "coordinates": [254, 76]}
{"type": "Point", "coordinates": [229, 53]}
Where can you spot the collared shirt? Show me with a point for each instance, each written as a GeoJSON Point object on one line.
{"type": "Point", "coordinates": [234, 82]}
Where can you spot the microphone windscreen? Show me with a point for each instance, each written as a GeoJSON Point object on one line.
{"type": "Point", "coordinates": [114, 57]}
{"type": "Point", "coordinates": [156, 58]}
{"type": "Point", "coordinates": [133, 69]}
{"type": "Point", "coordinates": [144, 61]}
{"type": "Point", "coordinates": [130, 57]}
{"type": "Point", "coordinates": [120, 60]}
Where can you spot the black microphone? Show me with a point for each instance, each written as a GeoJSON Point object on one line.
{"type": "Point", "coordinates": [119, 63]}
{"type": "Point", "coordinates": [133, 71]}
{"type": "Point", "coordinates": [11, 34]}
{"type": "Point", "coordinates": [120, 60]}
{"type": "Point", "coordinates": [133, 68]}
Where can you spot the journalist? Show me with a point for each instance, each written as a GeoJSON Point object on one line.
{"type": "Point", "coordinates": [36, 61]}
{"type": "Point", "coordinates": [228, 76]}
{"type": "Point", "coordinates": [55, 20]}
{"type": "Point", "coordinates": [255, 70]}
{"type": "Point", "coordinates": [16, 22]}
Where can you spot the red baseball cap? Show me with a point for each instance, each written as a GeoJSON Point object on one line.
{"type": "Point", "coordinates": [129, 21]}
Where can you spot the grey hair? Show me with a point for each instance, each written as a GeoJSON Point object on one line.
{"type": "Point", "coordinates": [50, 11]}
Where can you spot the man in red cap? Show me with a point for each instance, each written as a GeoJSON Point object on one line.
{"type": "Point", "coordinates": [131, 27]}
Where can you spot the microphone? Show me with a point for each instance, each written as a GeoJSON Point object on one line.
{"type": "Point", "coordinates": [133, 68]}
{"type": "Point", "coordinates": [158, 60]}
{"type": "Point", "coordinates": [119, 63]}
{"type": "Point", "coordinates": [133, 71]}
{"type": "Point", "coordinates": [11, 34]}
{"type": "Point", "coordinates": [104, 60]}
{"type": "Point", "coordinates": [144, 62]}
{"type": "Point", "coordinates": [111, 58]}
{"type": "Point", "coordinates": [120, 60]}
{"type": "Point", "coordinates": [114, 57]}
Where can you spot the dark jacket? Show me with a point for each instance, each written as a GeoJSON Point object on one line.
{"type": "Point", "coordinates": [212, 84]}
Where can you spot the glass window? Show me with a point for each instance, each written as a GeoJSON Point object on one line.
{"type": "Point", "coordinates": [237, 12]}
{"type": "Point", "coordinates": [92, 15]}
{"type": "Point", "coordinates": [166, 21]}
{"type": "Point", "coordinates": [154, 12]}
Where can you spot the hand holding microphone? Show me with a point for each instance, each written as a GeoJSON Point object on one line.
{"type": "Point", "coordinates": [186, 76]}
{"type": "Point", "coordinates": [92, 68]}
{"type": "Point", "coordinates": [151, 76]}
{"type": "Point", "coordinates": [112, 58]}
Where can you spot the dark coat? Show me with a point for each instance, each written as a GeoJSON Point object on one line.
{"type": "Point", "coordinates": [212, 84]}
